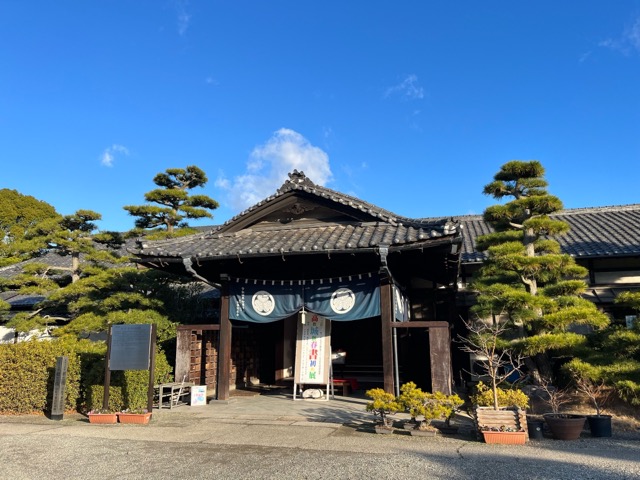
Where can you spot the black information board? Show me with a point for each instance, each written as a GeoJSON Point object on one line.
{"type": "Point", "coordinates": [130, 347]}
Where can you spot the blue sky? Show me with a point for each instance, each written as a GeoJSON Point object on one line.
{"type": "Point", "coordinates": [412, 106]}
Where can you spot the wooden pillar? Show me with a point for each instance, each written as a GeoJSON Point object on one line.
{"type": "Point", "coordinates": [386, 312]}
{"type": "Point", "coordinates": [183, 355]}
{"type": "Point", "coordinates": [224, 346]}
{"type": "Point", "coordinates": [440, 359]}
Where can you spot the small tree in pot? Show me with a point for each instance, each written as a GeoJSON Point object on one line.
{"type": "Point", "coordinates": [589, 381]}
{"type": "Point", "coordinates": [485, 341]}
{"type": "Point", "coordinates": [495, 406]}
{"type": "Point", "coordinates": [563, 426]}
{"type": "Point", "coordinates": [382, 405]}
{"type": "Point", "coordinates": [428, 406]}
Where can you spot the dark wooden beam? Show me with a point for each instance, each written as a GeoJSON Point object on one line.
{"type": "Point", "coordinates": [199, 328]}
{"type": "Point", "coordinates": [420, 324]}
{"type": "Point", "coordinates": [224, 346]}
{"type": "Point", "coordinates": [386, 312]}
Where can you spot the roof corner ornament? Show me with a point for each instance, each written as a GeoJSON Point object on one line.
{"type": "Point", "coordinates": [383, 251]}
{"type": "Point", "coordinates": [296, 178]}
{"type": "Point", "coordinates": [452, 226]}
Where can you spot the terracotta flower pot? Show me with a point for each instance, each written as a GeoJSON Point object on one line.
{"type": "Point", "coordinates": [139, 418]}
{"type": "Point", "coordinates": [565, 426]}
{"type": "Point", "coordinates": [103, 418]}
{"type": "Point", "coordinates": [505, 438]}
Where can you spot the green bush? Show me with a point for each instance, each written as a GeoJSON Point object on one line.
{"type": "Point", "coordinates": [429, 406]}
{"type": "Point", "coordinates": [629, 391]}
{"type": "Point", "coordinates": [512, 397]}
{"type": "Point", "coordinates": [27, 372]}
{"type": "Point", "coordinates": [128, 389]}
{"type": "Point", "coordinates": [383, 404]}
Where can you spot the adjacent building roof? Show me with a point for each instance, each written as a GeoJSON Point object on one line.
{"type": "Point", "coordinates": [20, 301]}
{"type": "Point", "coordinates": [595, 232]}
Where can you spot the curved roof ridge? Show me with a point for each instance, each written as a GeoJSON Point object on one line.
{"type": "Point", "coordinates": [298, 181]}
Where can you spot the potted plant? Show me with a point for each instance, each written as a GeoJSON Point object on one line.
{"type": "Point", "coordinates": [382, 405]}
{"type": "Point", "coordinates": [494, 406]}
{"type": "Point", "coordinates": [410, 399]}
{"type": "Point", "coordinates": [452, 404]}
{"type": "Point", "coordinates": [500, 409]}
{"type": "Point", "coordinates": [428, 407]}
{"type": "Point", "coordinates": [563, 426]}
{"type": "Point", "coordinates": [419, 404]}
{"type": "Point", "coordinates": [102, 416]}
{"type": "Point", "coordinates": [589, 381]}
{"type": "Point", "coordinates": [503, 435]}
{"type": "Point", "coordinates": [434, 406]}
{"type": "Point", "coordinates": [137, 416]}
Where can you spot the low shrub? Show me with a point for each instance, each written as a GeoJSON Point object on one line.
{"type": "Point", "coordinates": [127, 389]}
{"type": "Point", "coordinates": [27, 372]}
{"type": "Point", "coordinates": [512, 397]}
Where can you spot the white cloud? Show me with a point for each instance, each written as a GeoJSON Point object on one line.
{"type": "Point", "coordinates": [584, 57]}
{"type": "Point", "coordinates": [268, 166]}
{"type": "Point", "coordinates": [628, 42]}
{"type": "Point", "coordinates": [183, 17]}
{"type": "Point", "coordinates": [108, 156]}
{"type": "Point", "coordinates": [633, 35]}
{"type": "Point", "coordinates": [408, 89]}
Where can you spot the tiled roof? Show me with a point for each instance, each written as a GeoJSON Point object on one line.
{"type": "Point", "coordinates": [19, 301]}
{"type": "Point", "coordinates": [376, 228]}
{"type": "Point", "coordinates": [55, 261]}
{"type": "Point", "coordinates": [285, 240]}
{"type": "Point", "coordinates": [52, 259]}
{"type": "Point", "coordinates": [595, 232]}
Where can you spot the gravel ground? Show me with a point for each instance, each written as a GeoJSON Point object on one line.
{"type": "Point", "coordinates": [196, 444]}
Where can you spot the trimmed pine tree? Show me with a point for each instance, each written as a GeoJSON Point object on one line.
{"type": "Point", "coordinates": [526, 281]}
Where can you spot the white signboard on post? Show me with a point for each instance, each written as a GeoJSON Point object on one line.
{"type": "Point", "coordinates": [313, 351]}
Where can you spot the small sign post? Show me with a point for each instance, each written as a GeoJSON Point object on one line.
{"type": "Point", "coordinates": [59, 383]}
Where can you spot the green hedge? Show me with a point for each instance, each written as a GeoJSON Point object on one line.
{"type": "Point", "coordinates": [27, 371]}
{"type": "Point", "coordinates": [127, 389]}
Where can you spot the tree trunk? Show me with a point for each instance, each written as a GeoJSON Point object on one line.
{"type": "Point", "coordinates": [75, 267]}
{"type": "Point", "coordinates": [539, 367]}
{"type": "Point", "coordinates": [527, 240]}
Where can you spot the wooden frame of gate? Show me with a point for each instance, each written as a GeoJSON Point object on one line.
{"type": "Point", "coordinates": [439, 353]}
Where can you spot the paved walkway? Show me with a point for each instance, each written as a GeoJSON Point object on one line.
{"type": "Point", "coordinates": [271, 436]}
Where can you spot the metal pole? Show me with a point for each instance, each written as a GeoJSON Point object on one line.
{"type": "Point", "coordinates": [107, 372]}
{"type": "Point", "coordinates": [396, 368]}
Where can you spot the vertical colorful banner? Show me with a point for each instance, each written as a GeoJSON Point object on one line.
{"type": "Point", "coordinates": [313, 350]}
